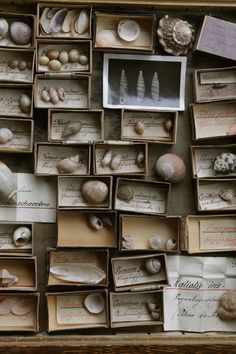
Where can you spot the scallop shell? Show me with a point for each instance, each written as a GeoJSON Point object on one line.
{"type": "Point", "coordinates": [5, 135]}
{"type": "Point", "coordinates": [20, 32]}
{"type": "Point", "coordinates": [82, 22]}
{"type": "Point", "coordinates": [139, 128]}
{"type": "Point", "coordinates": [140, 159]}
{"type": "Point", "coordinates": [227, 194]}
{"type": "Point", "coordinates": [22, 307]}
{"type": "Point", "coordinates": [22, 236]}
{"type": "Point", "coordinates": [71, 128]}
{"type": "Point", "coordinates": [140, 86]}
{"type": "Point", "coordinates": [115, 162]}
{"type": "Point", "coordinates": [106, 160]}
{"type": "Point", "coordinates": [171, 168]}
{"type": "Point", "coordinates": [94, 191]}
{"type": "Point", "coordinates": [94, 303]}
{"type": "Point", "coordinates": [68, 165]}
{"type": "Point", "coordinates": [25, 103]}
{"type": "Point", "coordinates": [57, 21]}
{"type": "Point", "coordinates": [156, 243]}
{"type": "Point", "coordinates": [168, 125]}
{"type": "Point", "coordinates": [123, 87]}
{"type": "Point", "coordinates": [155, 87]}
{"type": "Point", "coordinates": [7, 279]}
{"type": "Point", "coordinates": [61, 93]}
{"type": "Point", "coordinates": [95, 222]}
{"type": "Point", "coordinates": [125, 193]}
{"type": "Point", "coordinates": [54, 65]}
{"type": "Point", "coordinates": [54, 98]}
{"type": "Point", "coordinates": [171, 244]}
{"type": "Point", "coordinates": [105, 39]}
{"type": "Point", "coordinates": [45, 96]}
{"type": "Point", "coordinates": [153, 265]}
{"type": "Point", "coordinates": [128, 242]}
{"type": "Point", "coordinates": [128, 30]}
{"type": "Point", "coordinates": [3, 27]}
{"type": "Point", "coordinates": [8, 185]}
{"type": "Point", "coordinates": [66, 26]}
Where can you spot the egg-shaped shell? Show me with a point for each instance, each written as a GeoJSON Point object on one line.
{"type": "Point", "coordinates": [5, 135]}
{"type": "Point", "coordinates": [3, 27]}
{"type": "Point", "coordinates": [82, 22]}
{"type": "Point", "coordinates": [171, 168]}
{"type": "Point", "coordinates": [22, 65]}
{"type": "Point", "coordinates": [14, 63]}
{"type": "Point", "coordinates": [94, 303]}
{"type": "Point", "coordinates": [63, 57]}
{"type": "Point", "coordinates": [73, 55]}
{"type": "Point", "coordinates": [54, 65]}
{"type": "Point", "coordinates": [20, 32]}
{"type": "Point", "coordinates": [43, 60]}
{"type": "Point", "coordinates": [25, 103]}
{"type": "Point", "coordinates": [53, 54]}
{"type": "Point", "coordinates": [94, 191]}
{"type": "Point", "coordinates": [53, 95]}
{"type": "Point", "coordinates": [125, 193]}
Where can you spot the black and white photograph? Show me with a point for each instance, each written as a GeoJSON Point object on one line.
{"type": "Point", "coordinates": [144, 81]}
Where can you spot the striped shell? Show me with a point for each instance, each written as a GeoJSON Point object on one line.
{"type": "Point", "coordinates": [155, 87]}
{"type": "Point", "coordinates": [140, 86]}
{"type": "Point", "coordinates": [227, 194]}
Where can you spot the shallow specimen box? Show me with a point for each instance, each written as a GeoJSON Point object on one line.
{"type": "Point", "coordinates": [214, 84]}
{"type": "Point", "coordinates": [76, 90]}
{"type": "Point", "coordinates": [142, 272]}
{"type": "Point", "coordinates": [59, 273]}
{"type": "Point", "coordinates": [135, 232]}
{"type": "Point", "coordinates": [83, 47]}
{"type": "Point", "coordinates": [23, 135]}
{"type": "Point", "coordinates": [15, 74]}
{"type": "Point", "coordinates": [213, 120]}
{"type": "Point", "coordinates": [7, 246]}
{"type": "Point", "coordinates": [6, 40]}
{"type": "Point", "coordinates": [204, 156]}
{"type": "Point", "coordinates": [24, 268]}
{"type": "Point", "coordinates": [70, 221]}
{"type": "Point", "coordinates": [64, 35]}
{"type": "Point", "coordinates": [26, 322]}
{"type": "Point", "coordinates": [48, 156]}
{"type": "Point", "coordinates": [106, 35]}
{"type": "Point", "coordinates": [92, 125]}
{"type": "Point", "coordinates": [10, 94]}
{"type": "Point", "coordinates": [211, 233]}
{"type": "Point", "coordinates": [70, 196]}
{"type": "Point", "coordinates": [124, 158]}
{"type": "Point", "coordinates": [129, 309]}
{"type": "Point", "coordinates": [149, 197]}
{"type": "Point", "coordinates": [153, 124]}
{"type": "Point", "coordinates": [67, 311]}
{"type": "Point", "coordinates": [209, 191]}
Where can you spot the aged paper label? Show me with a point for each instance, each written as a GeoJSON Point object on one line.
{"type": "Point", "coordinates": [218, 234]}
{"type": "Point", "coordinates": [209, 198]}
{"type": "Point", "coordinates": [22, 139]}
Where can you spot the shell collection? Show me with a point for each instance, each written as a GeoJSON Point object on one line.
{"type": "Point", "coordinates": [227, 306]}
{"type": "Point", "coordinates": [7, 279]}
{"type": "Point", "coordinates": [114, 161]}
{"type": "Point", "coordinates": [94, 191]}
{"type": "Point", "coordinates": [69, 164]}
{"type": "Point", "coordinates": [171, 168]}
{"type": "Point", "coordinates": [54, 59]}
{"type": "Point", "coordinates": [53, 95]}
{"type": "Point", "coordinates": [225, 163]}
{"type": "Point", "coordinates": [155, 310]}
{"type": "Point", "coordinates": [21, 65]}
{"type": "Point", "coordinates": [18, 31]}
{"type": "Point", "coordinates": [97, 222]}
{"type": "Point", "coordinates": [22, 236]}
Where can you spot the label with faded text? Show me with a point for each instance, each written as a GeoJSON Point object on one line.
{"type": "Point", "coordinates": [218, 234]}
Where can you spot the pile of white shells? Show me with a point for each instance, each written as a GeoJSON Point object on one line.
{"type": "Point", "coordinates": [53, 95]}
{"type": "Point", "coordinates": [18, 31]}
{"type": "Point", "coordinates": [54, 59]}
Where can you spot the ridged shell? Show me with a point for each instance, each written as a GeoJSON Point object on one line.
{"type": "Point", "coordinates": [115, 162]}
{"type": "Point", "coordinates": [71, 128]}
{"type": "Point", "coordinates": [66, 26]}
{"type": "Point", "coordinates": [227, 306]}
{"type": "Point", "coordinates": [105, 39]}
{"type": "Point", "coordinates": [156, 243]}
{"type": "Point", "coordinates": [125, 193]}
{"type": "Point", "coordinates": [227, 194]}
{"type": "Point", "coordinates": [69, 164]}
{"type": "Point", "coordinates": [94, 303]}
{"type": "Point", "coordinates": [95, 222]}
{"type": "Point", "coordinates": [3, 27]}
{"type": "Point", "coordinates": [128, 30]}
{"type": "Point", "coordinates": [139, 128]}
{"type": "Point", "coordinates": [94, 191]}
{"type": "Point", "coordinates": [54, 98]}
{"type": "Point", "coordinates": [21, 236]}
{"type": "Point", "coordinates": [123, 87]}
{"type": "Point", "coordinates": [153, 265]}
{"type": "Point", "coordinates": [128, 242]}
{"type": "Point", "coordinates": [140, 86]}
{"type": "Point", "coordinates": [106, 160]}
{"type": "Point", "coordinates": [20, 32]}
{"type": "Point", "coordinates": [155, 87]}
{"type": "Point", "coordinates": [140, 160]}
{"type": "Point", "coordinates": [171, 244]}
{"type": "Point", "coordinates": [171, 168]}
{"type": "Point", "coordinates": [61, 93]}
{"type": "Point", "coordinates": [82, 22]}
{"type": "Point", "coordinates": [8, 185]}
{"type": "Point", "coordinates": [225, 163]}
{"type": "Point", "coordinates": [45, 96]}
{"type": "Point", "coordinates": [25, 103]}
{"type": "Point", "coordinates": [22, 307]}
{"type": "Point", "coordinates": [57, 21]}
{"type": "Point", "coordinates": [5, 135]}
{"type": "Point", "coordinates": [7, 279]}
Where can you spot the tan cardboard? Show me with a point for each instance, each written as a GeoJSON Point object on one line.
{"type": "Point", "coordinates": [10, 95]}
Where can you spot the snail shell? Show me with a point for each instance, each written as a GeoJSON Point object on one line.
{"type": "Point", "coordinates": [8, 185]}
{"type": "Point", "coordinates": [7, 279]}
{"type": "Point", "coordinates": [95, 191]}
{"type": "Point", "coordinates": [43, 60]}
{"type": "Point", "coordinates": [125, 193]}
{"type": "Point", "coordinates": [115, 162]}
{"type": "Point", "coordinates": [171, 168]}
{"type": "Point", "coordinates": [45, 96]}
{"type": "Point", "coordinates": [106, 160]}
{"type": "Point", "coordinates": [153, 265]}
{"type": "Point", "coordinates": [171, 244]}
{"type": "Point", "coordinates": [21, 236]}
{"type": "Point", "coordinates": [95, 222]}
{"type": "Point", "coordinates": [71, 128]}
{"type": "Point", "coordinates": [68, 165]}
{"type": "Point", "coordinates": [227, 307]}
{"type": "Point", "coordinates": [53, 95]}
{"type": "Point", "coordinates": [5, 135]}
{"type": "Point", "coordinates": [155, 87]}
{"type": "Point", "coordinates": [156, 243]}
{"type": "Point", "coordinates": [139, 128]}
{"type": "Point", "coordinates": [140, 86]}
{"type": "Point", "coordinates": [20, 32]}
{"type": "Point", "coordinates": [61, 94]}
{"type": "Point", "coordinates": [153, 307]}
{"type": "Point", "coordinates": [53, 54]}
{"type": "Point", "coordinates": [227, 194]}
{"type": "Point", "coordinates": [25, 103]}
{"type": "Point", "coordinates": [140, 159]}
{"type": "Point", "coordinates": [3, 27]}
{"type": "Point", "coordinates": [54, 65]}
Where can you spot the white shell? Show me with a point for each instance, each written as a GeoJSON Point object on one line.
{"type": "Point", "coordinates": [5, 135]}
{"type": "Point", "coordinates": [61, 93]}
{"type": "Point", "coordinates": [21, 236]}
{"type": "Point", "coordinates": [123, 87]}
{"type": "Point", "coordinates": [140, 86]}
{"type": "Point", "coordinates": [171, 244]}
{"type": "Point", "coordinates": [83, 59]}
{"type": "Point", "coordinates": [69, 164]}
{"type": "Point", "coordinates": [106, 160]}
{"type": "Point", "coordinates": [7, 279]}
{"type": "Point", "coordinates": [94, 303]}
{"type": "Point", "coordinates": [115, 162]}
{"type": "Point", "coordinates": [8, 186]}
{"type": "Point", "coordinates": [140, 159]}
{"type": "Point", "coordinates": [66, 26]}
{"type": "Point", "coordinates": [153, 265]}
{"type": "Point", "coordinates": [63, 57]}
{"type": "Point", "coordinates": [20, 32]}
{"type": "Point", "coordinates": [22, 307]}
{"type": "Point", "coordinates": [45, 96]}
{"type": "Point", "coordinates": [156, 243]}
{"type": "Point", "coordinates": [128, 30]}
{"type": "Point", "coordinates": [95, 222]}
{"type": "Point", "coordinates": [3, 27]}
{"type": "Point", "coordinates": [105, 38]}
{"type": "Point", "coordinates": [25, 103]}
{"type": "Point", "coordinates": [82, 22]}
{"type": "Point", "coordinates": [71, 128]}
{"type": "Point", "coordinates": [94, 191]}
{"type": "Point", "coordinates": [45, 21]}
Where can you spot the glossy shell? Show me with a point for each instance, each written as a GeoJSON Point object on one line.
{"type": "Point", "coordinates": [69, 165]}
{"type": "Point", "coordinates": [94, 303]}
{"type": "Point", "coordinates": [125, 193]}
{"type": "Point", "coordinates": [227, 194]}
{"type": "Point", "coordinates": [57, 21]}
{"type": "Point", "coordinates": [105, 38]}
{"type": "Point", "coordinates": [43, 60]}
{"type": "Point", "coordinates": [25, 103]}
{"type": "Point", "coordinates": [71, 128]}
{"type": "Point", "coordinates": [3, 27]}
{"type": "Point", "coordinates": [22, 236]}
{"type": "Point", "coordinates": [8, 185]}
{"type": "Point", "coordinates": [83, 59]}
{"type": "Point", "coordinates": [139, 128]}
{"type": "Point", "coordinates": [94, 191]}
{"type": "Point", "coordinates": [115, 162]}
{"type": "Point", "coordinates": [20, 32]}
{"type": "Point", "coordinates": [156, 243]}
{"type": "Point", "coordinates": [7, 279]}
{"type": "Point", "coordinates": [227, 306]}
{"type": "Point", "coordinates": [73, 55]}
{"type": "Point", "coordinates": [225, 163]}
{"type": "Point", "coordinates": [63, 57]}
{"type": "Point", "coordinates": [5, 135]}
{"type": "Point", "coordinates": [106, 160]}
{"type": "Point", "coordinates": [54, 98]}
{"type": "Point", "coordinates": [54, 65]}
{"type": "Point", "coordinates": [82, 22]}
{"type": "Point", "coordinates": [66, 26]}
{"type": "Point", "coordinates": [153, 265]}
{"type": "Point", "coordinates": [95, 222]}
{"type": "Point", "coordinates": [171, 168]}
{"type": "Point", "coordinates": [128, 30]}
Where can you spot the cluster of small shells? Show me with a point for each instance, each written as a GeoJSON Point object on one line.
{"type": "Point", "coordinates": [114, 161]}
{"type": "Point", "coordinates": [155, 310]}
{"type": "Point", "coordinates": [53, 95]}
{"type": "Point", "coordinates": [139, 126]}
{"type": "Point", "coordinates": [19, 32]}
{"type": "Point", "coordinates": [54, 59]}
{"type": "Point", "coordinates": [97, 222]}
{"type": "Point", "coordinates": [227, 306]}
{"type": "Point", "coordinates": [225, 163]}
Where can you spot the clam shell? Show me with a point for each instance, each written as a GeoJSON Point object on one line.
{"type": "Point", "coordinates": [25, 103]}
{"type": "Point", "coordinates": [105, 38]}
{"type": "Point", "coordinates": [171, 244]}
{"type": "Point", "coordinates": [7, 279]}
{"type": "Point", "coordinates": [68, 165]}
{"type": "Point", "coordinates": [45, 96]}
{"type": "Point", "coordinates": [171, 168]}
{"type": "Point", "coordinates": [54, 65]}
{"type": "Point", "coordinates": [57, 21]}
{"type": "Point", "coordinates": [22, 307]}
{"type": "Point", "coordinates": [153, 265]}
{"type": "Point", "coordinates": [128, 30]}
{"type": "Point", "coordinates": [125, 193]}
{"type": "Point", "coordinates": [139, 128]}
{"type": "Point", "coordinates": [140, 159]}
{"type": "Point", "coordinates": [71, 128]}
{"type": "Point", "coordinates": [156, 243]}
{"type": "Point", "coordinates": [227, 194]}
{"type": "Point", "coordinates": [115, 162]}
{"type": "Point", "coordinates": [5, 135]}
{"type": "Point", "coordinates": [54, 98]}
{"type": "Point", "coordinates": [8, 185]}
{"type": "Point", "coordinates": [128, 242]}
{"type": "Point", "coordinates": [95, 222]}
{"type": "Point", "coordinates": [63, 57]}
{"type": "Point", "coordinates": [21, 236]}
{"type": "Point", "coordinates": [66, 26]}
{"type": "Point", "coordinates": [123, 87]}
{"type": "Point", "coordinates": [140, 86]}
{"type": "Point", "coordinates": [20, 32]}
{"type": "Point", "coordinates": [44, 21]}
{"type": "Point", "coordinates": [94, 191]}
{"type": "Point", "coordinates": [94, 303]}
{"type": "Point", "coordinates": [106, 160]}
{"type": "Point", "coordinates": [43, 60]}
{"type": "Point", "coordinates": [61, 94]}
{"type": "Point", "coordinates": [6, 305]}
{"type": "Point", "coordinates": [82, 22]}
{"type": "Point", "coordinates": [52, 12]}
{"type": "Point", "coordinates": [3, 27]}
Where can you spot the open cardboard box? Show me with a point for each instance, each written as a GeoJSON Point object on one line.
{"type": "Point", "coordinates": [10, 95]}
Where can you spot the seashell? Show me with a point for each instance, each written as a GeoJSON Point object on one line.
{"type": "Point", "coordinates": [73, 55]}
{"type": "Point", "coordinates": [155, 315]}
{"type": "Point", "coordinates": [106, 220]}
{"type": "Point", "coordinates": [71, 128]}
{"type": "Point", "coordinates": [140, 86]}
{"type": "Point", "coordinates": [66, 26]}
{"type": "Point", "coordinates": [128, 242]}
{"type": "Point", "coordinates": [45, 96]}
{"type": "Point", "coordinates": [95, 222]}
{"type": "Point", "coordinates": [63, 57]}
{"type": "Point", "coordinates": [3, 27]}
{"type": "Point", "coordinates": [123, 87]}
{"type": "Point", "coordinates": [171, 168]}
{"type": "Point", "coordinates": [168, 125]}
{"type": "Point", "coordinates": [21, 236]}
{"type": "Point", "coordinates": [22, 307]}
{"type": "Point", "coordinates": [153, 265]}
{"type": "Point", "coordinates": [68, 165]}
{"type": "Point", "coordinates": [83, 59]}
{"type": "Point", "coordinates": [227, 306]}
{"type": "Point", "coordinates": [20, 32]}
{"type": "Point", "coordinates": [53, 54]}
{"type": "Point", "coordinates": [57, 20]}
{"type": "Point", "coordinates": [82, 22]}
{"type": "Point", "coordinates": [52, 12]}
{"type": "Point", "coordinates": [7, 279]}
{"type": "Point", "coordinates": [105, 39]}
{"type": "Point", "coordinates": [175, 35]}
{"type": "Point", "coordinates": [94, 303]}
{"type": "Point", "coordinates": [22, 65]}
{"type": "Point", "coordinates": [139, 128]}
{"type": "Point", "coordinates": [54, 65]}
{"type": "Point", "coordinates": [153, 307]}
{"type": "Point", "coordinates": [106, 160]}
{"type": "Point", "coordinates": [155, 87]}
{"type": "Point", "coordinates": [171, 244]}
{"type": "Point", "coordinates": [156, 243]}
{"type": "Point", "coordinates": [54, 98]}
{"type": "Point", "coordinates": [43, 60]}
{"type": "Point", "coordinates": [225, 163]}
{"type": "Point", "coordinates": [94, 191]}
{"type": "Point", "coordinates": [5, 135]}
{"type": "Point", "coordinates": [115, 162]}
{"type": "Point", "coordinates": [125, 193]}
{"type": "Point", "coordinates": [14, 64]}
{"type": "Point", "coordinates": [231, 130]}
{"type": "Point", "coordinates": [44, 21]}
{"type": "Point", "coordinates": [227, 194]}
{"type": "Point", "coordinates": [61, 94]}
{"type": "Point", "coordinates": [140, 159]}
{"type": "Point", "coordinates": [8, 185]}
{"type": "Point", "coordinates": [25, 103]}
{"type": "Point", "coordinates": [6, 305]}
{"type": "Point", "coordinates": [128, 30]}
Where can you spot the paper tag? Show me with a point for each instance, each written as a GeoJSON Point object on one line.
{"type": "Point", "coordinates": [218, 77]}
{"type": "Point", "coordinates": [218, 234]}
{"type": "Point", "coordinates": [209, 198]}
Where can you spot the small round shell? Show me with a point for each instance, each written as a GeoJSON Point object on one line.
{"type": "Point", "coordinates": [140, 159]}
{"type": "Point", "coordinates": [227, 194]}
{"type": "Point", "coordinates": [14, 63]}
{"type": "Point", "coordinates": [22, 65]}
{"type": "Point", "coordinates": [125, 193]}
{"type": "Point", "coordinates": [95, 222]}
{"type": "Point", "coordinates": [94, 303]}
{"type": "Point", "coordinates": [25, 103]}
{"type": "Point", "coordinates": [153, 265]}
{"type": "Point", "coordinates": [61, 94]}
{"type": "Point", "coordinates": [21, 236]}
{"type": "Point", "coordinates": [94, 191]}
{"type": "Point", "coordinates": [115, 162]}
{"type": "Point", "coordinates": [171, 168]}
{"type": "Point", "coordinates": [171, 244]}
{"type": "Point", "coordinates": [73, 55]}
{"type": "Point", "coordinates": [156, 243]}
{"type": "Point", "coordinates": [45, 96]}
{"type": "Point", "coordinates": [53, 54]}
{"type": "Point", "coordinates": [43, 60]}
{"type": "Point", "coordinates": [68, 165]}
{"type": "Point", "coordinates": [106, 160]}
{"type": "Point", "coordinates": [54, 98]}
{"type": "Point", "coordinates": [155, 315]}
{"type": "Point", "coordinates": [128, 30]}
{"type": "Point", "coordinates": [3, 27]}
{"type": "Point", "coordinates": [7, 279]}
{"type": "Point", "coordinates": [54, 65]}
{"type": "Point", "coordinates": [63, 57]}
{"type": "Point", "coordinates": [5, 135]}
{"type": "Point", "coordinates": [83, 59]}
{"type": "Point", "coordinates": [71, 128]}
{"type": "Point", "coordinates": [139, 128]}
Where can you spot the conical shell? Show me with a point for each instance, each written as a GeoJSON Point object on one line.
{"type": "Point", "coordinates": [106, 160]}
{"type": "Point", "coordinates": [94, 191]}
{"type": "Point", "coordinates": [5, 135]}
{"type": "Point", "coordinates": [82, 22]}
{"type": "Point", "coordinates": [71, 128]}
{"type": "Point", "coordinates": [140, 86]}
{"type": "Point", "coordinates": [155, 87]}
{"type": "Point", "coordinates": [95, 222]}
{"type": "Point", "coordinates": [21, 236]}
{"type": "Point", "coordinates": [153, 265]}
{"type": "Point", "coordinates": [69, 165]}
{"type": "Point", "coordinates": [123, 87]}
{"type": "Point", "coordinates": [94, 303]}
{"type": "Point", "coordinates": [57, 21]}
{"type": "Point", "coordinates": [227, 194]}
{"type": "Point", "coordinates": [7, 279]}
{"type": "Point", "coordinates": [140, 159]}
{"type": "Point", "coordinates": [115, 162]}
{"type": "Point", "coordinates": [8, 186]}
{"type": "Point", "coordinates": [125, 193]}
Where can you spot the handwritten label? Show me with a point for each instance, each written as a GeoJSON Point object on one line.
{"type": "Point", "coordinates": [6, 238]}
{"type": "Point", "coordinates": [10, 102]}
{"type": "Point", "coordinates": [57, 258]}
{"type": "Point", "coordinates": [218, 234]}
{"type": "Point", "coordinates": [209, 199]}
{"type": "Point", "coordinates": [16, 75]}
{"type": "Point", "coordinates": [22, 138]}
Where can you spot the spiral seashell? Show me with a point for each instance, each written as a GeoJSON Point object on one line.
{"type": "Point", "coordinates": [7, 279]}
{"type": "Point", "coordinates": [140, 159]}
{"type": "Point", "coordinates": [69, 164]}
{"type": "Point", "coordinates": [20, 32]}
{"type": "Point", "coordinates": [82, 22]}
{"type": "Point", "coordinates": [21, 236]}
{"type": "Point", "coordinates": [123, 87]}
{"type": "Point", "coordinates": [227, 194]}
{"type": "Point", "coordinates": [106, 160]}
{"type": "Point", "coordinates": [5, 135]}
{"type": "Point", "coordinates": [94, 191]}
{"type": "Point", "coordinates": [8, 185]}
{"type": "Point", "coordinates": [128, 242]}
{"type": "Point", "coordinates": [3, 27]}
{"type": "Point", "coordinates": [153, 265]}
{"type": "Point", "coordinates": [171, 244]}
{"type": "Point", "coordinates": [155, 87]}
{"type": "Point", "coordinates": [25, 103]}
{"type": "Point", "coordinates": [45, 96]}
{"type": "Point", "coordinates": [54, 97]}
{"type": "Point", "coordinates": [156, 243]}
{"type": "Point", "coordinates": [125, 193]}
{"type": "Point", "coordinates": [61, 94]}
{"type": "Point", "coordinates": [140, 86]}
{"type": "Point", "coordinates": [168, 125]}
{"type": "Point", "coordinates": [139, 128]}
{"type": "Point", "coordinates": [227, 306]}
{"type": "Point", "coordinates": [171, 168]}
{"type": "Point", "coordinates": [71, 128]}
{"type": "Point", "coordinates": [54, 65]}
{"type": "Point", "coordinates": [225, 163]}
{"type": "Point", "coordinates": [115, 162]}
{"type": "Point", "coordinates": [95, 222]}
